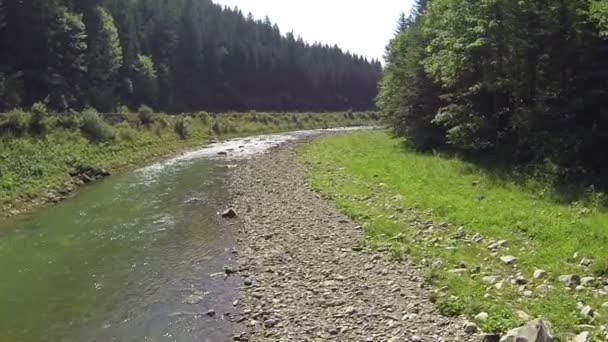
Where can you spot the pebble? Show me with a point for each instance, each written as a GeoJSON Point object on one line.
{"type": "Point", "coordinates": [587, 311]}
{"type": "Point", "coordinates": [540, 274]}
{"type": "Point", "coordinates": [317, 282]}
{"type": "Point", "coordinates": [470, 328]}
{"type": "Point", "coordinates": [570, 280]}
{"type": "Point", "coordinates": [508, 259]}
{"type": "Point", "coordinates": [482, 317]}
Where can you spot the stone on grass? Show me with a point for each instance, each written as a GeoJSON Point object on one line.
{"type": "Point", "coordinates": [535, 331]}
{"type": "Point", "coordinates": [482, 317]}
{"type": "Point", "coordinates": [586, 262]}
{"type": "Point", "coordinates": [570, 280]}
{"type": "Point", "coordinates": [540, 274]}
{"type": "Point", "coordinates": [587, 311]}
{"type": "Point", "coordinates": [508, 259]}
{"type": "Point", "coordinates": [490, 279]}
{"type": "Point", "coordinates": [460, 233]}
{"type": "Point", "coordinates": [588, 281]}
{"type": "Point", "coordinates": [520, 280]}
{"type": "Point", "coordinates": [523, 316]}
{"type": "Point", "coordinates": [583, 337]}
{"type": "Point", "coordinates": [470, 328]}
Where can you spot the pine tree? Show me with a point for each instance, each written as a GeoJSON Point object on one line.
{"type": "Point", "coordinates": [67, 59]}
{"type": "Point", "coordinates": [402, 24]}
{"type": "Point", "coordinates": [105, 60]}
{"type": "Point", "coordinates": [145, 81]}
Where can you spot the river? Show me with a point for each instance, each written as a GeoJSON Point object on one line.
{"type": "Point", "coordinates": [136, 257]}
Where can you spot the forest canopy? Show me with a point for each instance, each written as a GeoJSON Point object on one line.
{"type": "Point", "coordinates": [523, 81]}
{"type": "Point", "coordinates": [178, 55]}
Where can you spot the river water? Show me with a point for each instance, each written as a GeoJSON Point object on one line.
{"type": "Point", "coordinates": [136, 257]}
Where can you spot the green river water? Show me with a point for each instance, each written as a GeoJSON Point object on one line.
{"type": "Point", "coordinates": [118, 261]}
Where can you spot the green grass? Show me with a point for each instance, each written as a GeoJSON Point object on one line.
{"type": "Point", "coordinates": [31, 167]}
{"type": "Point", "coordinates": [395, 192]}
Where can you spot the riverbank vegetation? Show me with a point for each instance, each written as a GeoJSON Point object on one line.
{"type": "Point", "coordinates": [41, 152]}
{"type": "Point", "coordinates": [503, 107]}
{"type": "Point", "coordinates": [518, 82]}
{"type": "Point", "coordinates": [174, 56]}
{"type": "Point", "coordinates": [458, 219]}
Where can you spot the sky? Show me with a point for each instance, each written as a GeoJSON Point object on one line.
{"type": "Point", "coordinates": [360, 26]}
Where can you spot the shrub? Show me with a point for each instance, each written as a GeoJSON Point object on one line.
{"type": "Point", "coordinates": [181, 128]}
{"type": "Point", "coordinates": [146, 115]}
{"type": "Point", "coordinates": [204, 117]}
{"type": "Point", "coordinates": [161, 120]}
{"type": "Point", "coordinates": [217, 128]}
{"type": "Point", "coordinates": [16, 123]}
{"type": "Point", "coordinates": [94, 128]}
{"type": "Point", "coordinates": [125, 132]}
{"type": "Point", "coordinates": [39, 120]}
{"type": "Point", "coordinates": [70, 121]}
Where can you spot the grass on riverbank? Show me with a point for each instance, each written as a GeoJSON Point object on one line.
{"type": "Point", "coordinates": [38, 151]}
{"type": "Point", "coordinates": [402, 197]}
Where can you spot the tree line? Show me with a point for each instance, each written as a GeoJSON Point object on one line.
{"type": "Point", "coordinates": [524, 81]}
{"type": "Point", "coordinates": [176, 56]}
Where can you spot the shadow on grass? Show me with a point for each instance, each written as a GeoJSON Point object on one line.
{"type": "Point", "coordinates": [544, 180]}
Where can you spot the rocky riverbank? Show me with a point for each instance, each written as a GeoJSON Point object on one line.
{"type": "Point", "coordinates": [306, 274]}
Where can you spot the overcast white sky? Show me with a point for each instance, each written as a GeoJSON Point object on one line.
{"type": "Point", "coordinates": [360, 26]}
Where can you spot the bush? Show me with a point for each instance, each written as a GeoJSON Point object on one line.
{"type": "Point", "coordinates": [16, 123]}
{"type": "Point", "coordinates": [146, 115]}
{"type": "Point", "coordinates": [181, 128]}
{"type": "Point", "coordinates": [204, 117]}
{"type": "Point", "coordinates": [94, 128]}
{"type": "Point", "coordinates": [125, 132]}
{"type": "Point", "coordinates": [217, 128]}
{"type": "Point", "coordinates": [39, 123]}
{"type": "Point", "coordinates": [71, 121]}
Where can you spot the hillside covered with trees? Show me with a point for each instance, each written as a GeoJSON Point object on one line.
{"type": "Point", "coordinates": [524, 81]}
{"type": "Point", "coordinates": [176, 56]}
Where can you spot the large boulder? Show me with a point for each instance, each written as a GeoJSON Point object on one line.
{"type": "Point", "coordinates": [535, 331]}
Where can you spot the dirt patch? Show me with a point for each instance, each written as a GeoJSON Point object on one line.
{"type": "Point", "coordinates": [306, 274]}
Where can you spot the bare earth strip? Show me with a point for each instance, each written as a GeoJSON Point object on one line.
{"type": "Point", "coordinates": [305, 275]}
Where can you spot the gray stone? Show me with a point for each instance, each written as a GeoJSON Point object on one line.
{"type": "Point", "coordinates": [587, 311]}
{"type": "Point", "coordinates": [460, 233]}
{"type": "Point", "coordinates": [229, 213]}
{"type": "Point", "coordinates": [490, 280]}
{"type": "Point", "coordinates": [585, 336]}
{"type": "Point", "coordinates": [570, 280]}
{"type": "Point", "coordinates": [535, 331]}
{"type": "Point", "coordinates": [539, 274]}
{"type": "Point", "coordinates": [470, 328]}
{"type": "Point", "coordinates": [482, 317]}
{"type": "Point", "coordinates": [588, 281]}
{"type": "Point", "coordinates": [586, 262]}
{"type": "Point", "coordinates": [508, 259]}
{"type": "Point", "coordinates": [520, 280]}
{"type": "Point", "coordinates": [523, 316]}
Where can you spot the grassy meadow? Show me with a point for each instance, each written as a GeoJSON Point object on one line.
{"type": "Point", "coordinates": [416, 203]}
{"type": "Point", "coordinates": [38, 150]}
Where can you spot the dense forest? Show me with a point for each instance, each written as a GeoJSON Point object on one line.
{"type": "Point", "coordinates": [178, 55]}
{"type": "Point", "coordinates": [522, 81]}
